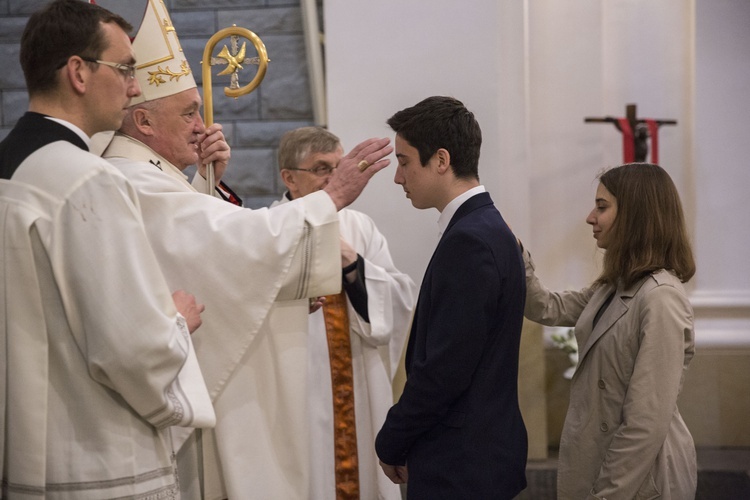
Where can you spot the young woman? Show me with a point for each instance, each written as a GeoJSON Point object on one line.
{"type": "Point", "coordinates": [623, 436]}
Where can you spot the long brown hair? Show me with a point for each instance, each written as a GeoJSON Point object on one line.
{"type": "Point", "coordinates": [649, 230]}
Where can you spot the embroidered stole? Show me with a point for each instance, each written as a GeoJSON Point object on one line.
{"type": "Point", "coordinates": [342, 381]}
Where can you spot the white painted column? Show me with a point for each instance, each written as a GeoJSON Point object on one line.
{"type": "Point", "coordinates": [722, 174]}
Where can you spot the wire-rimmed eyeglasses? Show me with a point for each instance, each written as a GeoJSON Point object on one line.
{"type": "Point", "coordinates": [126, 69]}
{"type": "Point", "coordinates": [320, 170]}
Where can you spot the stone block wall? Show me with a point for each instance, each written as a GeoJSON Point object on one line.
{"type": "Point", "coordinates": [253, 124]}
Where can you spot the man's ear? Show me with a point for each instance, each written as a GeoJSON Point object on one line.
{"type": "Point", "coordinates": [443, 160]}
{"type": "Point", "coordinates": [288, 178]}
{"type": "Point", "coordinates": [142, 121]}
{"type": "Point", "coordinates": [76, 72]}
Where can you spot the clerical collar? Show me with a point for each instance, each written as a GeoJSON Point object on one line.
{"type": "Point", "coordinates": [450, 209]}
{"type": "Point", "coordinates": [80, 133]}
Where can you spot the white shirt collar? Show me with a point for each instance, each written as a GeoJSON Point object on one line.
{"type": "Point", "coordinates": [74, 128]}
{"type": "Point", "coordinates": [450, 209]}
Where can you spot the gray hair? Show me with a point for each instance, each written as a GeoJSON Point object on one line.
{"type": "Point", "coordinates": [296, 144]}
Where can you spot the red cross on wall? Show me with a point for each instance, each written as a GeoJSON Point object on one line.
{"type": "Point", "coordinates": [635, 134]}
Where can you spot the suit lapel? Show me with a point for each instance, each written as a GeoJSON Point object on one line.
{"type": "Point", "coordinates": [477, 201]}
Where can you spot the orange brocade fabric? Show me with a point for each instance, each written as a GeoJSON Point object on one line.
{"type": "Point", "coordinates": [342, 379]}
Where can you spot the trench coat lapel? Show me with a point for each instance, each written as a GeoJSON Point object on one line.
{"type": "Point", "coordinates": [588, 334]}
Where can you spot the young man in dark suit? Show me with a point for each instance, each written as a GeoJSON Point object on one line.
{"type": "Point", "coordinates": [457, 427]}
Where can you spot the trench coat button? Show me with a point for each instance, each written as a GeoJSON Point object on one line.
{"type": "Point", "coordinates": [604, 427]}
{"type": "Point", "coordinates": [602, 385]}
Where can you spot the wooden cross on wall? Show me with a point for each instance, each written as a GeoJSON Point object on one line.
{"type": "Point", "coordinates": [635, 134]}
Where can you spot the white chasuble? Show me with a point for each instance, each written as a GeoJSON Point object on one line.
{"type": "Point", "coordinates": [242, 264]}
{"type": "Point", "coordinates": [97, 362]}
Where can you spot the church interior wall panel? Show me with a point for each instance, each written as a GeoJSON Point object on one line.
{"type": "Point", "coordinates": [586, 58]}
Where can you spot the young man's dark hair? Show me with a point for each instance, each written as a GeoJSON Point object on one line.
{"type": "Point", "coordinates": [62, 29]}
{"type": "Point", "coordinates": [442, 122]}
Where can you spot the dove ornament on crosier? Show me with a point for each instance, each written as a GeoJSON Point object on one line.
{"type": "Point", "coordinates": [234, 63]}
{"type": "Point", "coordinates": [234, 59]}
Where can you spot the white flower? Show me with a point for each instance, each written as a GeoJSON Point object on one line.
{"type": "Point", "coordinates": [567, 342]}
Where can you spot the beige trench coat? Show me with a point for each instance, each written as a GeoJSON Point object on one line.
{"type": "Point", "coordinates": [623, 436]}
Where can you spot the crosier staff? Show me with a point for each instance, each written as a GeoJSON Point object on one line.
{"type": "Point", "coordinates": [234, 59]}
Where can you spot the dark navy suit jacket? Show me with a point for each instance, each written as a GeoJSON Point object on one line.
{"type": "Point", "coordinates": [457, 425]}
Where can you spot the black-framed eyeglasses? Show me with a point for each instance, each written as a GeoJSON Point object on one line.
{"type": "Point", "coordinates": [126, 69]}
{"type": "Point", "coordinates": [320, 170]}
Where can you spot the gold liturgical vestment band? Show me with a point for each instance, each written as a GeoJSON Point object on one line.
{"type": "Point", "coordinates": [342, 381]}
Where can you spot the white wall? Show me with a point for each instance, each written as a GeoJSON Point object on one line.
{"type": "Point", "coordinates": [722, 158]}
{"type": "Point", "coordinates": [531, 71]}
{"type": "Point", "coordinates": [387, 55]}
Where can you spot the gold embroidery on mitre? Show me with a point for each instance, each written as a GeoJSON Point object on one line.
{"type": "Point", "coordinates": [155, 77]}
{"type": "Point", "coordinates": [168, 26]}
{"type": "Point", "coordinates": [162, 69]}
